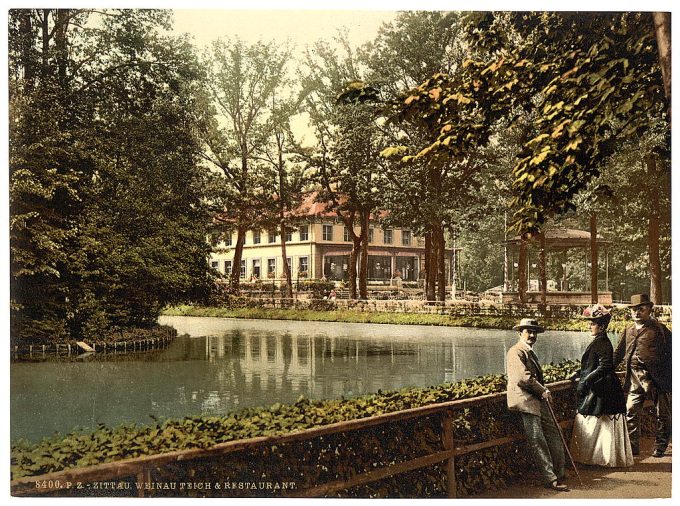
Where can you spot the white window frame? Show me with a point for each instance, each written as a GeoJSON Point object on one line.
{"type": "Point", "coordinates": [268, 260]}
{"type": "Point", "coordinates": [387, 231]}
{"type": "Point", "coordinates": [306, 259]}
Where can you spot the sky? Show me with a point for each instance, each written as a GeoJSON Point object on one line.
{"type": "Point", "coordinates": [301, 27]}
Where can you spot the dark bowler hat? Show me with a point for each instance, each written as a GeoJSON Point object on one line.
{"type": "Point", "coordinates": [640, 299]}
{"type": "Point", "coordinates": [529, 323]}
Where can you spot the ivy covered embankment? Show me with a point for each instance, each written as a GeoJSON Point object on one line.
{"type": "Point", "coordinates": [128, 441]}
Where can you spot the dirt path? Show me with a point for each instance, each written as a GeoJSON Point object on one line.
{"type": "Point", "coordinates": [648, 478]}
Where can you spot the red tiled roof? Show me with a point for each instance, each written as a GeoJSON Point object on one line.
{"type": "Point", "coordinates": [311, 207]}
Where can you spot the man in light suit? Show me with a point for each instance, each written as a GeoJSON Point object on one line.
{"type": "Point", "coordinates": [528, 396]}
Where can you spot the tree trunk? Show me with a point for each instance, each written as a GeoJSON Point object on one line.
{"type": "Point", "coordinates": [363, 260]}
{"type": "Point", "coordinates": [428, 253]}
{"type": "Point", "coordinates": [594, 267]}
{"type": "Point", "coordinates": [235, 279]}
{"type": "Point", "coordinates": [286, 266]}
{"type": "Point", "coordinates": [26, 29]}
{"type": "Point", "coordinates": [662, 27]}
{"type": "Point", "coordinates": [354, 254]}
{"type": "Point", "coordinates": [45, 35]}
{"type": "Point", "coordinates": [441, 264]}
{"type": "Point", "coordinates": [348, 220]}
{"type": "Point", "coordinates": [542, 270]}
{"type": "Point", "coordinates": [282, 213]}
{"type": "Point", "coordinates": [430, 266]}
{"type": "Point", "coordinates": [60, 41]}
{"type": "Point", "coordinates": [522, 270]}
{"type": "Point", "coordinates": [655, 293]}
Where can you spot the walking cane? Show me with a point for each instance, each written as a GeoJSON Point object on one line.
{"type": "Point", "coordinates": [564, 442]}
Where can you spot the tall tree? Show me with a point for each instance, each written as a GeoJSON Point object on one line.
{"type": "Point", "coordinates": [242, 80]}
{"type": "Point", "coordinates": [436, 194]}
{"type": "Point", "coordinates": [348, 145]}
{"type": "Point", "coordinates": [279, 154]}
{"type": "Point", "coordinates": [103, 232]}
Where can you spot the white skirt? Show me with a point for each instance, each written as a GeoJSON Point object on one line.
{"type": "Point", "coordinates": [601, 441]}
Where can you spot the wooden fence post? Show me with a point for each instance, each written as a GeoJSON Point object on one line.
{"type": "Point", "coordinates": [143, 477]}
{"type": "Point", "coordinates": [447, 444]}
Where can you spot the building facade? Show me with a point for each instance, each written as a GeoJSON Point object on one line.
{"type": "Point", "coordinates": [319, 246]}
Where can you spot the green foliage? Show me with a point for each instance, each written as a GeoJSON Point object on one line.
{"type": "Point", "coordinates": [590, 78]}
{"type": "Point", "coordinates": [243, 108]}
{"type": "Point", "coordinates": [110, 444]}
{"type": "Point", "coordinates": [107, 219]}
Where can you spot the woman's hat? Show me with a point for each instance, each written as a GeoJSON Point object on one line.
{"type": "Point", "coordinates": [596, 312]}
{"type": "Point", "coordinates": [529, 323]}
{"type": "Point", "coordinates": [640, 299]}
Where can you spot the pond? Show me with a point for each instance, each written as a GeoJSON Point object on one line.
{"type": "Point", "coordinates": [219, 365]}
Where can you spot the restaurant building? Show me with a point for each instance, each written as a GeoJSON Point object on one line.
{"type": "Point", "coordinates": [319, 245]}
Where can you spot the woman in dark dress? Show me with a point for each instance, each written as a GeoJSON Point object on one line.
{"type": "Point", "coordinates": [600, 436]}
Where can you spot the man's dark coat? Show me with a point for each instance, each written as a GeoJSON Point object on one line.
{"type": "Point", "coordinates": [653, 349]}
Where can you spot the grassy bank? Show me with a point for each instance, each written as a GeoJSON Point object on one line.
{"type": "Point", "coordinates": [348, 316]}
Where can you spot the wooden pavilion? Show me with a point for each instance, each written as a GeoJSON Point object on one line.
{"type": "Point", "coordinates": [558, 264]}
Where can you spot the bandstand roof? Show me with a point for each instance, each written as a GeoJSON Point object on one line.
{"type": "Point", "coordinates": [565, 238]}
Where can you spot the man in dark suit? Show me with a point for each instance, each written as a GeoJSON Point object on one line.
{"type": "Point", "coordinates": [645, 348]}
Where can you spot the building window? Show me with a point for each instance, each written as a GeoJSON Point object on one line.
{"type": "Point", "coordinates": [379, 267]}
{"type": "Point", "coordinates": [328, 232]}
{"type": "Point", "coordinates": [271, 267]}
{"type": "Point", "coordinates": [256, 237]}
{"type": "Point", "coordinates": [257, 273]}
{"type": "Point", "coordinates": [271, 236]}
{"type": "Point", "coordinates": [406, 237]}
{"type": "Point", "coordinates": [304, 233]}
{"type": "Point", "coordinates": [407, 268]}
{"type": "Point", "coordinates": [370, 235]}
{"type": "Point", "coordinates": [227, 267]}
{"type": "Point", "coordinates": [387, 234]}
{"type": "Point", "coordinates": [336, 267]}
{"type": "Point", "coordinates": [345, 236]}
{"type": "Point", "coordinates": [242, 274]}
{"type": "Point", "coordinates": [303, 267]}
{"type": "Point", "coordinates": [215, 264]}
{"type": "Point", "coordinates": [289, 235]}
{"type": "Point", "coordinates": [228, 239]}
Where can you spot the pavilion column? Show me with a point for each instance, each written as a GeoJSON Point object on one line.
{"type": "Point", "coordinates": [606, 270]}
{"type": "Point", "coordinates": [593, 259]}
{"type": "Point", "coordinates": [505, 253]}
{"type": "Point", "coordinates": [542, 269]}
{"type": "Point", "coordinates": [522, 270]}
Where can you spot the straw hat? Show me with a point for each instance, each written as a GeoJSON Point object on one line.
{"type": "Point", "coordinates": [529, 323]}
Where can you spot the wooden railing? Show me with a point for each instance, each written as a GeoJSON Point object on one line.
{"type": "Point", "coordinates": [78, 481]}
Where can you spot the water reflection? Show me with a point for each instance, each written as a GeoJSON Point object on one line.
{"type": "Point", "coordinates": [221, 365]}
